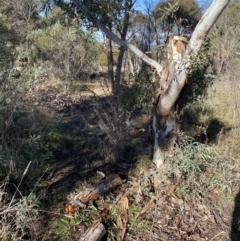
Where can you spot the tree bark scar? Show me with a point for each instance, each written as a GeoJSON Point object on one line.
{"type": "Point", "coordinates": [201, 35]}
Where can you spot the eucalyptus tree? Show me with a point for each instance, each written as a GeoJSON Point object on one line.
{"type": "Point", "coordinates": [165, 113]}
{"type": "Point", "coordinates": [151, 28]}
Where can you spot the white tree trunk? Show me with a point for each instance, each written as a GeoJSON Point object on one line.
{"type": "Point", "coordinates": [165, 118]}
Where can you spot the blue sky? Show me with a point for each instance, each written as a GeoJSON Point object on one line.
{"type": "Point", "coordinates": [141, 3]}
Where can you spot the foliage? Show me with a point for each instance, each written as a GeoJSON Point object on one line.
{"type": "Point", "coordinates": [14, 159]}
{"type": "Point", "coordinates": [61, 226]}
{"type": "Point", "coordinates": [140, 94]}
{"type": "Point", "coordinates": [225, 38]}
{"type": "Point", "coordinates": [68, 50]}
{"type": "Point", "coordinates": [102, 58]}
{"type": "Point", "coordinates": [20, 141]}
{"type": "Point", "coordinates": [21, 15]}
{"type": "Point", "coordinates": [200, 170]}
{"type": "Point", "coordinates": [9, 38]}
{"type": "Point", "coordinates": [200, 77]}
{"type": "Point", "coordinates": [180, 15]}
{"type": "Point", "coordinates": [17, 214]}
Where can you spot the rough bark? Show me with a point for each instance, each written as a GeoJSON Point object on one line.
{"type": "Point", "coordinates": [108, 47]}
{"type": "Point", "coordinates": [110, 62]}
{"type": "Point", "coordinates": [118, 69]}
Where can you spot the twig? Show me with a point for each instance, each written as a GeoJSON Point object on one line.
{"type": "Point", "coordinates": [217, 235]}
{"type": "Point", "coordinates": [24, 173]}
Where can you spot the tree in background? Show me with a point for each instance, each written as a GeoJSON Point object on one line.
{"type": "Point", "coordinates": [225, 38]}
{"type": "Point", "coordinates": [150, 29]}
{"type": "Point", "coordinates": [115, 16]}
{"type": "Point", "coordinates": [64, 49]}
{"type": "Point", "coordinates": [9, 39]}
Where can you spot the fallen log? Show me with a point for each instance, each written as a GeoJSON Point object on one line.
{"type": "Point", "coordinates": [94, 233]}
{"type": "Point", "coordinates": [90, 194]}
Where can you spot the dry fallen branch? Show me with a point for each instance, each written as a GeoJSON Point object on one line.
{"type": "Point", "coordinates": [90, 194]}
{"type": "Point", "coordinates": [94, 233]}
{"type": "Point", "coordinates": [122, 219]}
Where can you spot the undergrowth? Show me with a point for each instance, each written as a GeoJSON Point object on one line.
{"type": "Point", "coordinates": [199, 169]}
{"type": "Point", "coordinates": [18, 212]}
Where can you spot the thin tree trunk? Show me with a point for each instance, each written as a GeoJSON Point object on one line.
{"type": "Point", "coordinates": [130, 63]}
{"type": "Point", "coordinates": [128, 6]}
{"type": "Point", "coordinates": [118, 70]}
{"type": "Point", "coordinates": [110, 63]}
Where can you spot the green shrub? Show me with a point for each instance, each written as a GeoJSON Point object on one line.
{"type": "Point", "coordinates": [200, 169]}
{"type": "Point", "coordinates": [17, 215]}
{"type": "Point", "coordinates": [140, 93]}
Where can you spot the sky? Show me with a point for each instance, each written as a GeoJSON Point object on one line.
{"type": "Point", "coordinates": [139, 5]}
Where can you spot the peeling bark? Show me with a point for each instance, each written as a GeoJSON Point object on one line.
{"type": "Point", "coordinates": [82, 199]}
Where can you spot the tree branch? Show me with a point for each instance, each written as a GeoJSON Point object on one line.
{"type": "Point", "coordinates": [179, 80]}
{"type": "Point", "coordinates": [115, 38]}
{"type": "Point", "coordinates": [206, 22]}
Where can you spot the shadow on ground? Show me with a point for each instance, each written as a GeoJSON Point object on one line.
{"type": "Point", "coordinates": [95, 137]}
{"type": "Point", "coordinates": [235, 227]}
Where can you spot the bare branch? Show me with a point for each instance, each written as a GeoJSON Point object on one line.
{"type": "Point", "coordinates": [206, 22]}
{"type": "Point", "coordinates": [116, 39]}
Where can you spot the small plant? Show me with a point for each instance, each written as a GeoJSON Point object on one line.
{"type": "Point", "coordinates": [140, 93]}
{"type": "Point", "coordinates": [17, 213]}
{"type": "Point", "coordinates": [61, 226]}
{"type": "Point", "coordinates": [200, 170]}
{"type": "Point", "coordinates": [136, 223]}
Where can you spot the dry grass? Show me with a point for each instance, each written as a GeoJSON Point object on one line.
{"type": "Point", "coordinates": [223, 99]}
{"type": "Point", "coordinates": [160, 203]}
{"type": "Point", "coordinates": [99, 86]}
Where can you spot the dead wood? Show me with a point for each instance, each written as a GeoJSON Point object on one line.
{"type": "Point", "coordinates": [122, 219]}
{"type": "Point", "coordinates": [90, 194]}
{"type": "Point", "coordinates": [94, 233]}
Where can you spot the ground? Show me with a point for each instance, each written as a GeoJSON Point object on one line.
{"type": "Point", "coordinates": [89, 136]}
